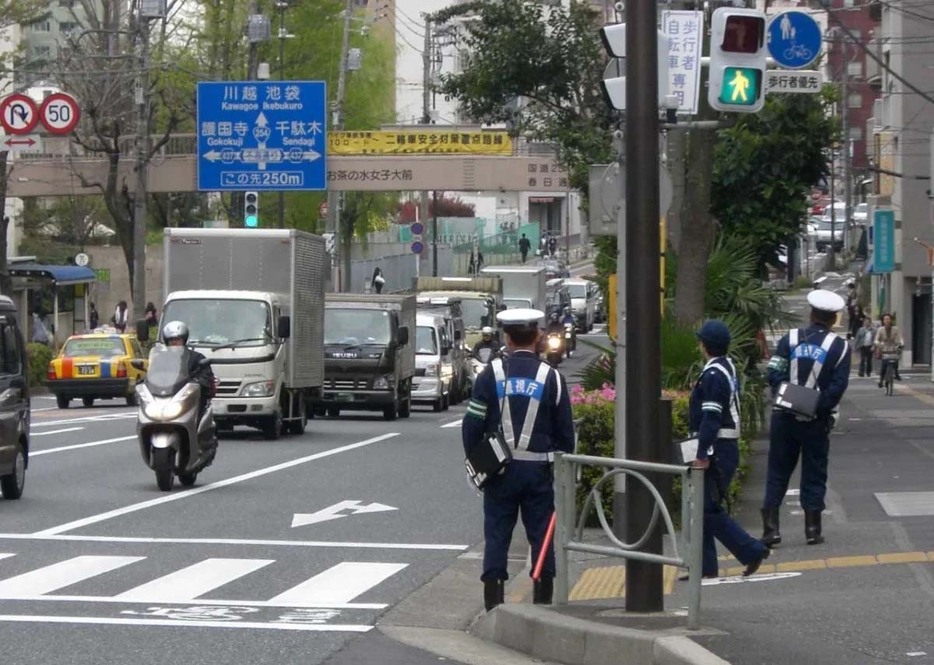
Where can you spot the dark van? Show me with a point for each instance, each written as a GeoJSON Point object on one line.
{"type": "Point", "coordinates": [14, 403]}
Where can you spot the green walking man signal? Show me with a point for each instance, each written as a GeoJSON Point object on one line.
{"type": "Point", "coordinates": [251, 210]}
{"type": "Point", "coordinates": [738, 57]}
{"type": "Point", "coordinates": [740, 86]}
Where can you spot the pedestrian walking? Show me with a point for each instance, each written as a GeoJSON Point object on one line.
{"type": "Point", "coordinates": [808, 374]}
{"type": "Point", "coordinates": [714, 417]}
{"type": "Point", "coordinates": [520, 405]}
{"type": "Point", "coordinates": [120, 316]}
{"type": "Point", "coordinates": [865, 342]}
{"type": "Point", "coordinates": [93, 316]}
{"type": "Point", "coordinates": [378, 280]}
{"type": "Point", "coordinates": [40, 330]}
{"type": "Point", "coordinates": [524, 246]}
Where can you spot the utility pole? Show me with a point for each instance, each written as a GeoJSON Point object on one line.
{"type": "Point", "coordinates": [282, 5]}
{"type": "Point", "coordinates": [335, 222]}
{"type": "Point", "coordinates": [142, 160]}
{"type": "Point", "coordinates": [847, 159]}
{"type": "Point", "coordinates": [434, 234]}
{"type": "Point", "coordinates": [643, 283]}
{"type": "Point", "coordinates": [426, 120]}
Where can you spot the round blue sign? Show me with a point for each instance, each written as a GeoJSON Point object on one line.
{"type": "Point", "coordinates": [417, 228]}
{"type": "Point", "coordinates": [417, 247]}
{"type": "Point", "coordinates": [794, 39]}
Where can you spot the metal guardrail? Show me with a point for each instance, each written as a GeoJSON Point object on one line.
{"type": "Point", "coordinates": [568, 535]}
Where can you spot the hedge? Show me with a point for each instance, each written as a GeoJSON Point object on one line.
{"type": "Point", "coordinates": [38, 357]}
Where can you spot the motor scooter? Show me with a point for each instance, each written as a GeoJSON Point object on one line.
{"type": "Point", "coordinates": [175, 437]}
{"type": "Point", "coordinates": [554, 348]}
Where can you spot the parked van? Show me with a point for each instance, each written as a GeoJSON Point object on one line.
{"type": "Point", "coordinates": [583, 302]}
{"type": "Point", "coordinates": [451, 309]}
{"type": "Point", "coordinates": [434, 369]}
{"type": "Point", "coordinates": [14, 407]}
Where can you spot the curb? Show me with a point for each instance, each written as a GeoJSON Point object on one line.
{"type": "Point", "coordinates": [547, 634]}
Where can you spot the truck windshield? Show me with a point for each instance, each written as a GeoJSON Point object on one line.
{"type": "Point", "coordinates": [517, 303]}
{"type": "Point", "coordinates": [475, 313]}
{"type": "Point", "coordinates": [356, 326]}
{"type": "Point", "coordinates": [578, 290]}
{"type": "Point", "coordinates": [425, 342]}
{"type": "Point", "coordinates": [212, 322]}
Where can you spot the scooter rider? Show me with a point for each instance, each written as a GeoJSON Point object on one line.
{"type": "Point", "coordinates": [486, 342]}
{"type": "Point", "coordinates": [175, 333]}
{"type": "Point", "coordinates": [569, 320]}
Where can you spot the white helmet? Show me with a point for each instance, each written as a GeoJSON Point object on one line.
{"type": "Point", "coordinates": [175, 330]}
{"type": "Point", "coordinates": [487, 330]}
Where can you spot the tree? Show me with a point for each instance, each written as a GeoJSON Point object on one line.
{"type": "Point", "coordinates": [447, 207]}
{"type": "Point", "coordinates": [548, 56]}
{"type": "Point", "coordinates": [766, 165]}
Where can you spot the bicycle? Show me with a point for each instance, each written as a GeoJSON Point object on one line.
{"type": "Point", "coordinates": [797, 52]}
{"type": "Point", "coordinates": [888, 375]}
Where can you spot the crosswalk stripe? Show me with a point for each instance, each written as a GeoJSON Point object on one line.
{"type": "Point", "coordinates": [62, 574]}
{"type": "Point", "coordinates": [338, 584]}
{"type": "Point", "coordinates": [188, 583]}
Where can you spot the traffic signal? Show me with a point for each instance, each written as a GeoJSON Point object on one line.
{"type": "Point", "coordinates": [738, 53]}
{"type": "Point", "coordinates": [613, 37]}
{"type": "Point", "coordinates": [251, 210]}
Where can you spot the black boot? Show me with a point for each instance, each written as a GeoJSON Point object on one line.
{"type": "Point", "coordinates": [494, 593]}
{"type": "Point", "coordinates": [770, 532]}
{"type": "Point", "coordinates": [542, 591]}
{"type": "Point", "coordinates": [812, 527]}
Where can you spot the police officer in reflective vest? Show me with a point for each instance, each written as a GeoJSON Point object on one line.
{"type": "Point", "coordinates": [813, 357]}
{"type": "Point", "coordinates": [714, 416]}
{"type": "Point", "coordinates": [530, 399]}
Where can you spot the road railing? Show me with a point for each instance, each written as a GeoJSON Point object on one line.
{"type": "Point", "coordinates": [569, 526]}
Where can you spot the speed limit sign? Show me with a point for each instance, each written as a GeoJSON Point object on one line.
{"type": "Point", "coordinates": [59, 113]}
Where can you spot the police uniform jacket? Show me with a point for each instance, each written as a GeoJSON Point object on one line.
{"type": "Point", "coordinates": [553, 429]}
{"type": "Point", "coordinates": [714, 405]}
{"type": "Point", "coordinates": [816, 357]}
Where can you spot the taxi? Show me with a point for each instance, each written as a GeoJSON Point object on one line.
{"type": "Point", "coordinates": [96, 365]}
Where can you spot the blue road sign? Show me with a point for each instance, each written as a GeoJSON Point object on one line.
{"type": "Point", "coordinates": [417, 247]}
{"type": "Point", "coordinates": [883, 241]}
{"type": "Point", "coordinates": [417, 228]}
{"type": "Point", "coordinates": [262, 135]}
{"type": "Point", "coordinates": [794, 39]}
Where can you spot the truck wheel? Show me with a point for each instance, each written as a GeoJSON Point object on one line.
{"type": "Point", "coordinates": [62, 401]}
{"type": "Point", "coordinates": [405, 408]}
{"type": "Point", "coordinates": [272, 428]}
{"type": "Point", "coordinates": [87, 401]}
{"type": "Point", "coordinates": [391, 412]}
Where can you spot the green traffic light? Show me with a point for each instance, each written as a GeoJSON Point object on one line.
{"type": "Point", "coordinates": [741, 86]}
{"type": "Point", "coordinates": [252, 221]}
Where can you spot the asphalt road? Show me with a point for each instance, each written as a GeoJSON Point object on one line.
{"type": "Point", "coordinates": [97, 566]}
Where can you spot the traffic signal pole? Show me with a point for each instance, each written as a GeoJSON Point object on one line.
{"type": "Point", "coordinates": [643, 342]}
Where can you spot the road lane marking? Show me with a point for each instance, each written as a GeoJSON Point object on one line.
{"type": "Point", "coordinates": [44, 408]}
{"type": "Point", "coordinates": [134, 507]}
{"type": "Point", "coordinates": [187, 584]}
{"type": "Point", "coordinates": [235, 541]}
{"type": "Point", "coordinates": [248, 625]}
{"type": "Point", "coordinates": [59, 575]}
{"type": "Point", "coordinates": [455, 423]}
{"type": "Point", "coordinates": [76, 446]}
{"type": "Point", "coordinates": [338, 585]}
{"type": "Point", "coordinates": [84, 419]}
{"type": "Point", "coordinates": [56, 431]}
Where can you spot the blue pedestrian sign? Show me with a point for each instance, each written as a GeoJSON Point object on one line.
{"type": "Point", "coordinates": [262, 135]}
{"type": "Point", "coordinates": [883, 241]}
{"type": "Point", "coordinates": [794, 39]}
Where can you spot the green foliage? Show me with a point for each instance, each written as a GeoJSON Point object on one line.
{"type": "Point", "coordinates": [765, 167]}
{"type": "Point", "coordinates": [553, 58]}
{"type": "Point", "coordinates": [38, 357]}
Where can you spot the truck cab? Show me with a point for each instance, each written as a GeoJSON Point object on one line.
{"type": "Point", "coordinates": [434, 365]}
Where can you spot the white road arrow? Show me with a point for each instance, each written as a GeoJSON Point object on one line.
{"type": "Point", "coordinates": [334, 512]}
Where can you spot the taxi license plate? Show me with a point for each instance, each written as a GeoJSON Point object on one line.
{"type": "Point", "coordinates": [344, 397]}
{"type": "Point", "coordinates": [86, 370]}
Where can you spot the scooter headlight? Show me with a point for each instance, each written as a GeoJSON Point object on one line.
{"type": "Point", "coordinates": [554, 343]}
{"type": "Point", "coordinates": [166, 410]}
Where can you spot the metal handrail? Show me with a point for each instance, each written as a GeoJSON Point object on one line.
{"type": "Point", "coordinates": [569, 527]}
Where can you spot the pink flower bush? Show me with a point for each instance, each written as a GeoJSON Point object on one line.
{"type": "Point", "coordinates": [579, 396]}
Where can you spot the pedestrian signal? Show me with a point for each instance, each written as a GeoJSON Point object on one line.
{"type": "Point", "coordinates": [251, 210]}
{"type": "Point", "coordinates": [738, 54]}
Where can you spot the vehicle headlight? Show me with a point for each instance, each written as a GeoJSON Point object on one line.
{"type": "Point", "coordinates": [554, 343]}
{"type": "Point", "coordinates": [164, 410]}
{"type": "Point", "coordinates": [383, 382]}
{"type": "Point", "coordinates": [432, 369]}
{"type": "Point", "coordinates": [259, 389]}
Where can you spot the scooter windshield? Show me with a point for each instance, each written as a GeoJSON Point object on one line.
{"type": "Point", "coordinates": [168, 369]}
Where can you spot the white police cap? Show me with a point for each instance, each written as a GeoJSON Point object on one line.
{"type": "Point", "coordinates": [825, 301]}
{"type": "Point", "coordinates": [520, 318]}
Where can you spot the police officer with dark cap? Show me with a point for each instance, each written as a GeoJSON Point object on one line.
{"type": "Point", "coordinates": [815, 358]}
{"type": "Point", "coordinates": [529, 398]}
{"type": "Point", "coordinates": [714, 417]}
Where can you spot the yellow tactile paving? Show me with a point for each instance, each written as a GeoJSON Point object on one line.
{"type": "Point", "coordinates": [850, 561]}
{"type": "Point", "coordinates": [815, 564]}
{"type": "Point", "coordinates": [902, 557]}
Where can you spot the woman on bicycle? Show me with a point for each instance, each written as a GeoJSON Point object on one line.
{"type": "Point", "coordinates": [888, 347]}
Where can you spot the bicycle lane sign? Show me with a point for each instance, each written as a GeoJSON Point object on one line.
{"type": "Point", "coordinates": [794, 39]}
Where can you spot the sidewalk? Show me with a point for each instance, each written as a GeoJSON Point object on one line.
{"type": "Point", "coordinates": [864, 597]}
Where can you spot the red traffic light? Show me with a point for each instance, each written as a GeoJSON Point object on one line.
{"type": "Point", "coordinates": [743, 34]}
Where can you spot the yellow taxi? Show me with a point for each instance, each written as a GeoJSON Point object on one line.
{"type": "Point", "coordinates": [96, 365]}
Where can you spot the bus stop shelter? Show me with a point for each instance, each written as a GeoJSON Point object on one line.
{"type": "Point", "coordinates": [68, 284]}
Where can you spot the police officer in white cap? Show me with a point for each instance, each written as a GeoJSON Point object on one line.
{"type": "Point", "coordinates": [815, 358]}
{"type": "Point", "coordinates": [529, 400]}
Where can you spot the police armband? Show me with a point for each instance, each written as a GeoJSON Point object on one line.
{"type": "Point", "coordinates": [488, 459]}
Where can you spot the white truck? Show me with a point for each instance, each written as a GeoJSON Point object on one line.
{"type": "Point", "coordinates": [253, 300]}
{"type": "Point", "coordinates": [523, 286]}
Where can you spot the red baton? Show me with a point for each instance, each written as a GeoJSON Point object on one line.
{"type": "Point", "coordinates": [549, 534]}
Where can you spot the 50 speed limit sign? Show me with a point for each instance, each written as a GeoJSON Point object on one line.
{"type": "Point", "coordinates": [59, 113]}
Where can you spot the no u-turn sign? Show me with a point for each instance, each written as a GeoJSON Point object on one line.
{"type": "Point", "coordinates": [59, 113]}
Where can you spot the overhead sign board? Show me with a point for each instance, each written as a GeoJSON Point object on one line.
{"type": "Point", "coordinates": [883, 240]}
{"type": "Point", "coordinates": [262, 135]}
{"type": "Point", "coordinates": [406, 142]}
{"type": "Point", "coordinates": [801, 81]}
{"type": "Point", "coordinates": [794, 39]}
{"type": "Point", "coordinates": [685, 30]}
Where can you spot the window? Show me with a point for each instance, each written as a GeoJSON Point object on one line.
{"type": "Point", "coordinates": [855, 69]}
{"type": "Point", "coordinates": [43, 51]}
{"type": "Point", "coordinates": [9, 348]}
{"type": "Point", "coordinates": [855, 101]}
{"type": "Point", "coordinates": [41, 26]}
{"type": "Point", "coordinates": [856, 133]}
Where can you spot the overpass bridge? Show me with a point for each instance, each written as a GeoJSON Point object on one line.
{"type": "Point", "coordinates": [63, 168]}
